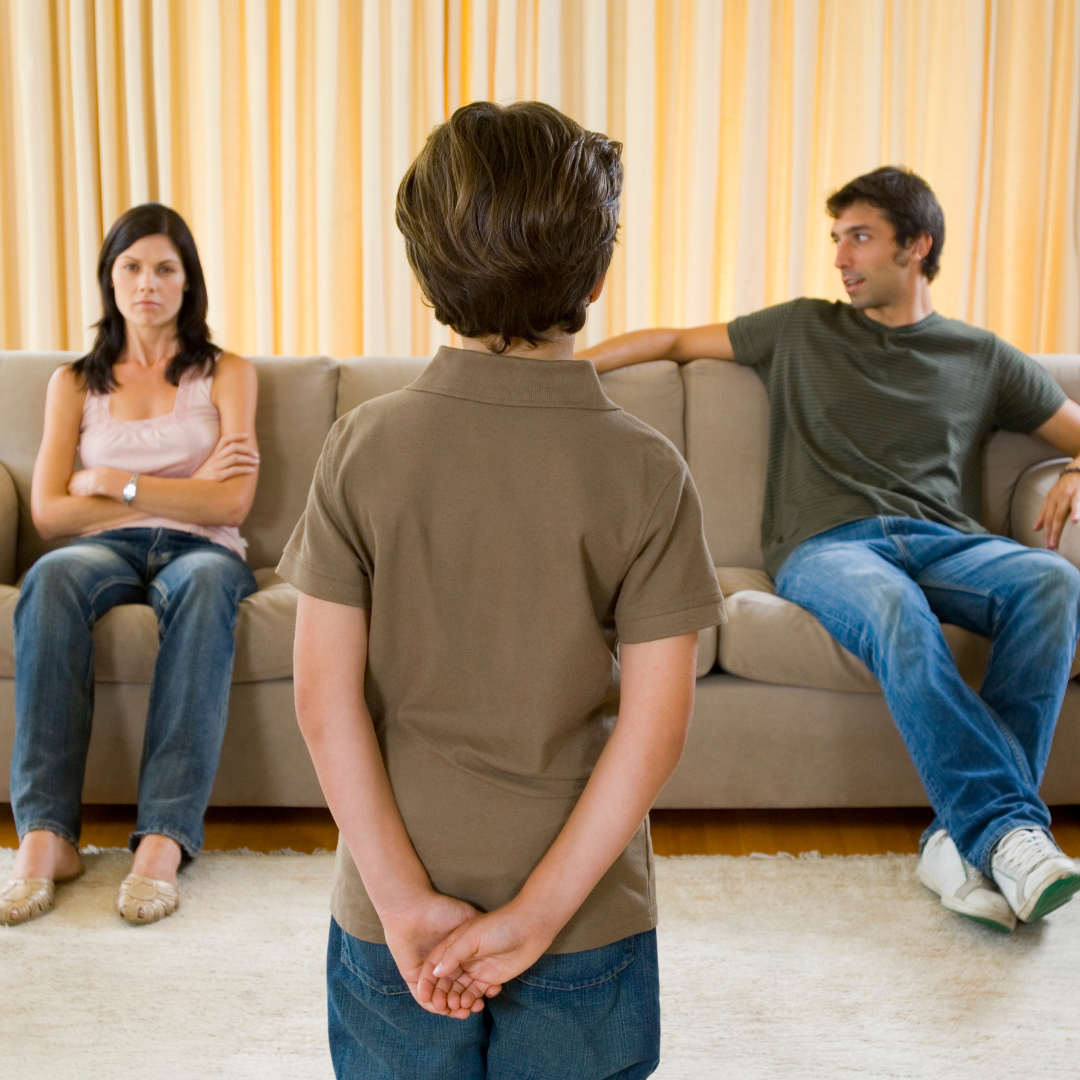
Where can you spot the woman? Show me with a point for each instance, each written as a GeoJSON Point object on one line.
{"type": "Point", "coordinates": [163, 422]}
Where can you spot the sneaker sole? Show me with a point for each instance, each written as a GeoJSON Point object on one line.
{"type": "Point", "coordinates": [955, 906]}
{"type": "Point", "coordinates": [1054, 896]}
{"type": "Point", "coordinates": [993, 924]}
{"type": "Point", "coordinates": [959, 908]}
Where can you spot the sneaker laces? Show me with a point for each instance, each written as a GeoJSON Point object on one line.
{"type": "Point", "coordinates": [1022, 850]}
{"type": "Point", "coordinates": [975, 880]}
{"type": "Point", "coordinates": [973, 872]}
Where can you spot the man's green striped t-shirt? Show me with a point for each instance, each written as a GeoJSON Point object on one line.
{"type": "Point", "coordinates": [869, 420]}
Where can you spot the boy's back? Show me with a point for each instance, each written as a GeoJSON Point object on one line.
{"type": "Point", "coordinates": [504, 523]}
{"type": "Point", "coordinates": [502, 575]}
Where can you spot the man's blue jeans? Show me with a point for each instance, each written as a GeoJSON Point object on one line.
{"type": "Point", "coordinates": [585, 1016]}
{"type": "Point", "coordinates": [880, 587]}
{"type": "Point", "coordinates": [194, 587]}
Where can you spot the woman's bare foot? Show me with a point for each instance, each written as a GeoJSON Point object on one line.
{"type": "Point", "coordinates": [43, 854]}
{"type": "Point", "coordinates": [157, 857]}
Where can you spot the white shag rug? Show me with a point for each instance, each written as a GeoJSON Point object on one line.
{"type": "Point", "coordinates": [809, 968]}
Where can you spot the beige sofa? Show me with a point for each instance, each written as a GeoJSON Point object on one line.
{"type": "Point", "coordinates": [784, 716]}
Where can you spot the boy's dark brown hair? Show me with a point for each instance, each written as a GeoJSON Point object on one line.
{"type": "Point", "coordinates": [908, 203]}
{"type": "Point", "coordinates": [510, 215]}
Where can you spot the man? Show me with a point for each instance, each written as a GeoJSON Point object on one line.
{"type": "Point", "coordinates": [879, 412]}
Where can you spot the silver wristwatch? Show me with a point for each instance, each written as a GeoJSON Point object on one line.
{"type": "Point", "coordinates": [131, 489]}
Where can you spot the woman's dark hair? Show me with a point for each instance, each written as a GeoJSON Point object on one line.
{"type": "Point", "coordinates": [907, 202]}
{"type": "Point", "coordinates": [197, 351]}
{"type": "Point", "coordinates": [510, 215]}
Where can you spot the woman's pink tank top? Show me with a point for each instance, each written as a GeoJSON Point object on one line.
{"type": "Point", "coordinates": [173, 446]}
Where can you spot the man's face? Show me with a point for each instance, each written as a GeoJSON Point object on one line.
{"type": "Point", "coordinates": [876, 271]}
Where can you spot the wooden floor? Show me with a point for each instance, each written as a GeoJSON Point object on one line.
{"type": "Point", "coordinates": [674, 832]}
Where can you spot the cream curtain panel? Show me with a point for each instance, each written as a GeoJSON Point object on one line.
{"type": "Point", "coordinates": [280, 129]}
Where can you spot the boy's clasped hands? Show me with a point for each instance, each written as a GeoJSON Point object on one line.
{"type": "Point", "coordinates": [453, 956]}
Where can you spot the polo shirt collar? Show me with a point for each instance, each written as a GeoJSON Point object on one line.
{"type": "Point", "coordinates": [513, 380]}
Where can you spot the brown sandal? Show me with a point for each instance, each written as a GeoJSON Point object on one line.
{"type": "Point", "coordinates": [145, 900]}
{"type": "Point", "coordinates": [23, 899]}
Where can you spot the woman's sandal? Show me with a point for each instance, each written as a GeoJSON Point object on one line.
{"type": "Point", "coordinates": [23, 899]}
{"type": "Point", "coordinates": [145, 900]}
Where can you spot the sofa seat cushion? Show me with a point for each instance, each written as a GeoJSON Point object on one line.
{"type": "Point", "coordinates": [706, 650]}
{"type": "Point", "coordinates": [771, 640]}
{"type": "Point", "coordinates": [126, 639]}
{"type": "Point", "coordinates": [265, 631]}
{"type": "Point", "coordinates": [295, 412]}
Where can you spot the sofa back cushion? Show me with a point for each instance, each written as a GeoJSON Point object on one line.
{"type": "Point", "coordinates": [362, 378]}
{"type": "Point", "coordinates": [652, 392]}
{"type": "Point", "coordinates": [727, 447]}
{"type": "Point", "coordinates": [24, 380]}
{"type": "Point", "coordinates": [295, 413]}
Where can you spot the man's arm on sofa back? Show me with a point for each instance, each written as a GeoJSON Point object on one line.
{"type": "Point", "coordinates": [639, 346]}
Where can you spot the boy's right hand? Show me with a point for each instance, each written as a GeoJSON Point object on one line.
{"type": "Point", "coordinates": [412, 933]}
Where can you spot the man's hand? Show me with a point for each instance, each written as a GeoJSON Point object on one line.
{"type": "Point", "coordinates": [1062, 503]}
{"type": "Point", "coordinates": [413, 932]}
{"type": "Point", "coordinates": [234, 455]}
{"type": "Point", "coordinates": [478, 957]}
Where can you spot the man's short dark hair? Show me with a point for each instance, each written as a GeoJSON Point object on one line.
{"type": "Point", "coordinates": [510, 215]}
{"type": "Point", "coordinates": [908, 203]}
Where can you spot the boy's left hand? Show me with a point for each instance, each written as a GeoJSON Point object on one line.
{"type": "Point", "coordinates": [413, 931]}
{"type": "Point", "coordinates": [479, 956]}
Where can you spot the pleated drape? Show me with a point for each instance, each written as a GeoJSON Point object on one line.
{"type": "Point", "coordinates": [280, 130]}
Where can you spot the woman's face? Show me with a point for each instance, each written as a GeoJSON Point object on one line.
{"type": "Point", "coordinates": [149, 283]}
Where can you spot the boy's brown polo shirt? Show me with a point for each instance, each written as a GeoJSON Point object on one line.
{"type": "Point", "coordinates": [507, 525]}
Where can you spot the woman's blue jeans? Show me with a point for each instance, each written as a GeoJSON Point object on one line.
{"type": "Point", "coordinates": [882, 587]}
{"type": "Point", "coordinates": [571, 1016]}
{"type": "Point", "coordinates": [194, 587]}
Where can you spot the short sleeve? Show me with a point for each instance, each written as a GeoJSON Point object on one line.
{"type": "Point", "coordinates": [670, 588]}
{"type": "Point", "coordinates": [1027, 393]}
{"type": "Point", "coordinates": [326, 556]}
{"type": "Point", "coordinates": [754, 337]}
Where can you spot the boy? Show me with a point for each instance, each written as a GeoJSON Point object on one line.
{"type": "Point", "coordinates": [475, 549]}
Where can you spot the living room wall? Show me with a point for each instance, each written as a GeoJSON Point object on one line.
{"type": "Point", "coordinates": [280, 128]}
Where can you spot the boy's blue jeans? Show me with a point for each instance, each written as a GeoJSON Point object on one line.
{"type": "Point", "coordinates": [880, 587]}
{"type": "Point", "coordinates": [194, 587]}
{"type": "Point", "coordinates": [583, 1015]}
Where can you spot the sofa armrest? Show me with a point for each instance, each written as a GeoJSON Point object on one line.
{"type": "Point", "coordinates": [9, 527]}
{"type": "Point", "coordinates": [1031, 490]}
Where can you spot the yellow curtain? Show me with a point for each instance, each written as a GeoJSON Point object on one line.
{"type": "Point", "coordinates": [280, 129]}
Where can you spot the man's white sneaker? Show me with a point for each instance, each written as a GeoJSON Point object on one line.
{"type": "Point", "coordinates": [943, 870]}
{"type": "Point", "coordinates": [1033, 873]}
